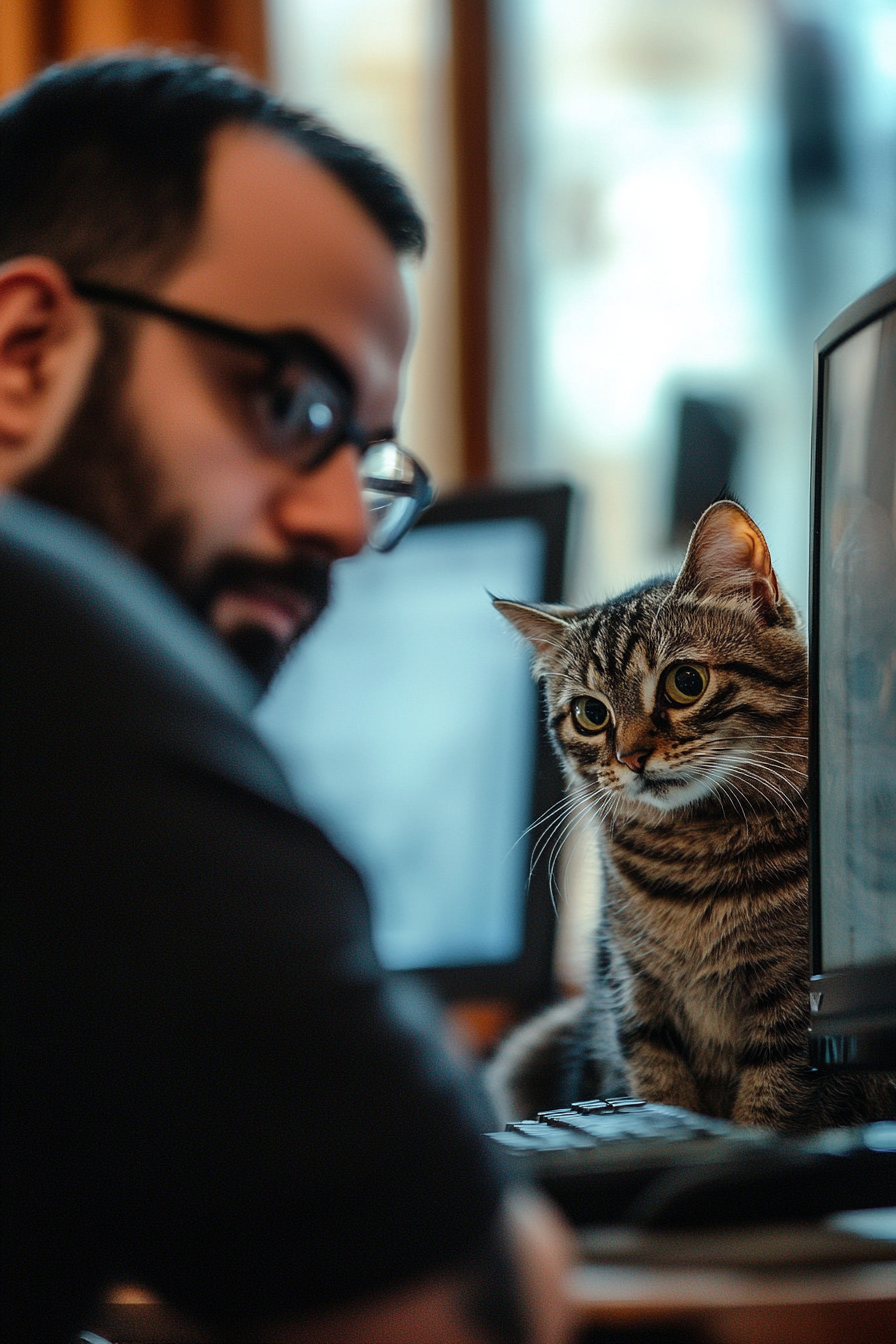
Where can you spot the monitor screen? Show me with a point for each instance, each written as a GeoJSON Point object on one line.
{"type": "Point", "coordinates": [408, 724]}
{"type": "Point", "coordinates": [852, 686]}
{"type": "Point", "coordinates": [857, 650]}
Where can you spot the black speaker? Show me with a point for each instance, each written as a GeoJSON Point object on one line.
{"type": "Point", "coordinates": [709, 436]}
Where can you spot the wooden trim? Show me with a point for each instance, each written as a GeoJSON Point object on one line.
{"type": "Point", "coordinates": [97, 25]}
{"type": "Point", "coordinates": [238, 31]}
{"type": "Point", "coordinates": [33, 33]}
{"type": "Point", "coordinates": [20, 43]}
{"type": "Point", "coordinates": [471, 99]}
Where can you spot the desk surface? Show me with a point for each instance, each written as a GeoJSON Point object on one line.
{"type": "Point", "coordinates": [851, 1306]}
{"type": "Point", "coordinates": [722, 1306]}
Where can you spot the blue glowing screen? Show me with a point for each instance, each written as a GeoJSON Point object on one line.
{"type": "Point", "coordinates": [406, 721]}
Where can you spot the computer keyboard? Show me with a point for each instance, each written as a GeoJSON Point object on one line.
{"type": "Point", "coordinates": [623, 1159]}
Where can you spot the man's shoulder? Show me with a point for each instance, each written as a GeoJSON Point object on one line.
{"type": "Point", "coordinates": [89, 632]}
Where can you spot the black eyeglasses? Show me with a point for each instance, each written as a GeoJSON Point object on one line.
{"type": "Point", "coordinates": [304, 408]}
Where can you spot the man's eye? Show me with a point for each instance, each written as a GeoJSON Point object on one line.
{"type": "Point", "coordinates": [306, 409]}
{"type": "Point", "coordinates": [589, 714]}
{"type": "Point", "coordinates": [320, 415]}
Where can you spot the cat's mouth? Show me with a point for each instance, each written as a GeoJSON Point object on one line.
{"type": "Point", "coordinates": [666, 793]}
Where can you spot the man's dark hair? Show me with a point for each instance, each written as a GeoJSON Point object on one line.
{"type": "Point", "coordinates": [102, 162]}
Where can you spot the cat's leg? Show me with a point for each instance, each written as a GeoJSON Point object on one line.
{"type": "Point", "coordinates": [649, 1040]}
{"type": "Point", "coordinates": [657, 1067]}
{"type": "Point", "coordinates": [778, 1094]}
{"type": "Point", "coordinates": [775, 1087]}
{"type": "Point", "coordinates": [598, 1068]}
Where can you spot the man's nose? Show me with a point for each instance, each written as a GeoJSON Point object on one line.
{"type": "Point", "coordinates": [325, 507]}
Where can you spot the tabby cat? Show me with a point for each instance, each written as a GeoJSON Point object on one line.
{"type": "Point", "coordinates": [679, 712]}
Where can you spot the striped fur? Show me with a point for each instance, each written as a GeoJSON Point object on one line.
{"type": "Point", "coordinates": [699, 995]}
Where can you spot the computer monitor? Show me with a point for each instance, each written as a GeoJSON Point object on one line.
{"type": "Point", "coordinates": [853, 690]}
{"type": "Point", "coordinates": [410, 728]}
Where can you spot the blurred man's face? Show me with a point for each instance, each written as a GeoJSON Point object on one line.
{"type": "Point", "coordinates": [164, 452]}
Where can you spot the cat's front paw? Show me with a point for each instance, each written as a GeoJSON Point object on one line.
{"type": "Point", "coordinates": [775, 1097]}
{"type": "Point", "coordinates": [664, 1078]}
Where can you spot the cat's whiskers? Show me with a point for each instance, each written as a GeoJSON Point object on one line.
{"type": "Point", "coordinates": [731, 794]}
{"type": "Point", "coordinates": [715, 753]}
{"type": "Point", "coordinates": [720, 765]}
{"type": "Point", "coordinates": [568, 858]}
{"type": "Point", "coordinates": [788, 776]}
{"type": "Point", "coordinates": [737, 794]}
{"type": "Point", "coordinates": [584, 811]}
{"type": "Point", "coordinates": [571, 809]}
{"type": "Point", "coordinates": [745, 773]}
{"type": "Point", "coordinates": [768, 762]}
{"type": "Point", "coordinates": [609, 804]}
{"type": "Point", "coordinates": [772, 737]}
{"type": "Point", "coordinates": [539, 821]}
{"type": "Point", "coordinates": [696, 764]}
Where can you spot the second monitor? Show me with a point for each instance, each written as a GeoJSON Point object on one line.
{"type": "Point", "coordinates": [410, 729]}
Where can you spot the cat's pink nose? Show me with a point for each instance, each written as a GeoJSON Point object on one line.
{"type": "Point", "coordinates": [636, 761]}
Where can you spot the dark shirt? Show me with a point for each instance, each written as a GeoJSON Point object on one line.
{"type": "Point", "coordinates": [209, 1086]}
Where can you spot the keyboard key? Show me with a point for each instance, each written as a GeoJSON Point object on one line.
{"type": "Point", "coordinates": [531, 1135]}
{"type": "Point", "coordinates": [601, 1127]}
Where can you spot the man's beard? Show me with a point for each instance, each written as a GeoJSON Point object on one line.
{"type": "Point", "coordinates": [103, 473]}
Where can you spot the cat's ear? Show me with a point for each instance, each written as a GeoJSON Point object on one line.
{"type": "Point", "coordinates": [728, 556]}
{"type": "Point", "coordinates": [544, 626]}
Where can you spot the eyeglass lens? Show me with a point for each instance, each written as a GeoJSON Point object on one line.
{"type": "Point", "coordinates": [396, 491]}
{"type": "Point", "coordinates": [309, 419]}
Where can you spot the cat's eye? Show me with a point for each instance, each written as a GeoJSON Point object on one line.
{"type": "Point", "coordinates": [685, 683]}
{"type": "Point", "coordinates": [589, 714]}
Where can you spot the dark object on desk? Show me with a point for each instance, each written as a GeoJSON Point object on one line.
{"type": "Point", "coordinates": [709, 437]}
{"type": "Point", "coordinates": [762, 1246]}
{"type": "Point", "coordinates": [659, 1166]}
{"type": "Point", "coordinates": [774, 1187]}
{"type": "Point", "coordinates": [641, 1334]}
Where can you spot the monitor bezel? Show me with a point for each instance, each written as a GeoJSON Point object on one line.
{"type": "Point", "coordinates": [528, 980]}
{"type": "Point", "coordinates": [852, 1017]}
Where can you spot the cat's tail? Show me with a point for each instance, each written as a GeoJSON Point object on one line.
{"type": "Point", "coordinates": [531, 1070]}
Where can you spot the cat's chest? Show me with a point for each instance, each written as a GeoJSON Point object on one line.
{"type": "Point", "coordinates": [706, 1015]}
{"type": "Point", "coordinates": [693, 947]}
{"type": "Point", "coordinates": [696, 967]}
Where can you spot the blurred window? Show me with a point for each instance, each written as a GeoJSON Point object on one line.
{"type": "Point", "coordinates": [378, 69]}
{"type": "Point", "coordinates": [708, 182]}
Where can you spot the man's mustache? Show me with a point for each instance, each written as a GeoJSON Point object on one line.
{"type": "Point", "coordinates": [307, 576]}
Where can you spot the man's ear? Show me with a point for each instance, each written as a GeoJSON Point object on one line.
{"type": "Point", "coordinates": [729, 556]}
{"type": "Point", "coordinates": [48, 343]}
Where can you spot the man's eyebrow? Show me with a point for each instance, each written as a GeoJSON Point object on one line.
{"type": "Point", "coordinates": [295, 341]}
